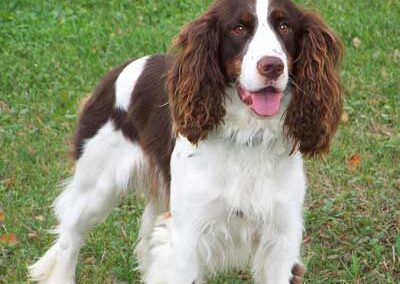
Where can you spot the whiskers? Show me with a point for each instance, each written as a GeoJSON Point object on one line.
{"type": "Point", "coordinates": [291, 80]}
{"type": "Point", "coordinates": [163, 105]}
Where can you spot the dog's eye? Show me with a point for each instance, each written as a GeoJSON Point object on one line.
{"type": "Point", "coordinates": [284, 28]}
{"type": "Point", "coordinates": [239, 30]}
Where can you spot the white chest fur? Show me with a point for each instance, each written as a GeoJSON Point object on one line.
{"type": "Point", "coordinates": [250, 179]}
{"type": "Point", "coordinates": [239, 200]}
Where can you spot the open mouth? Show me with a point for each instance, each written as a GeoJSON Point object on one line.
{"type": "Point", "coordinates": [265, 102]}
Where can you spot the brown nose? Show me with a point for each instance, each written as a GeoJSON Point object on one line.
{"type": "Point", "coordinates": [270, 67]}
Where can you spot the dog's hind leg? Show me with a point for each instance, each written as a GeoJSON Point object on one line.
{"type": "Point", "coordinates": [102, 173]}
{"type": "Point", "coordinates": [142, 250]}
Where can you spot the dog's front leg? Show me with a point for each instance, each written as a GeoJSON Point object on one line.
{"type": "Point", "coordinates": [185, 236]}
{"type": "Point", "coordinates": [174, 250]}
{"type": "Point", "coordinates": [195, 193]}
{"type": "Point", "coordinates": [277, 260]}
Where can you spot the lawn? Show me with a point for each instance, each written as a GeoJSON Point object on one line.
{"type": "Point", "coordinates": [52, 53]}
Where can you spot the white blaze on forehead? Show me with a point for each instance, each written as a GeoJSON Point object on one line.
{"type": "Point", "coordinates": [265, 38]}
{"type": "Point", "coordinates": [264, 43]}
{"type": "Point", "coordinates": [262, 8]}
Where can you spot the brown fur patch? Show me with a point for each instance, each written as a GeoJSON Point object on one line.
{"type": "Point", "coordinates": [298, 272]}
{"type": "Point", "coordinates": [233, 67]}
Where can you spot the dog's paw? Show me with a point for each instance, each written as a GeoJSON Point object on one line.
{"type": "Point", "coordinates": [298, 272]}
{"type": "Point", "coordinates": [49, 269]}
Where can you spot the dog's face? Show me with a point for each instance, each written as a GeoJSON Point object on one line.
{"type": "Point", "coordinates": [259, 43]}
{"type": "Point", "coordinates": [262, 48]}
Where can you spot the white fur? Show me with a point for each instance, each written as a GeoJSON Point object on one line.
{"type": "Point", "coordinates": [143, 247]}
{"type": "Point", "coordinates": [126, 82]}
{"type": "Point", "coordinates": [250, 78]}
{"type": "Point", "coordinates": [160, 256]}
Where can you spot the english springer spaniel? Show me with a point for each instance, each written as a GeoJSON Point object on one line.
{"type": "Point", "coordinates": [217, 128]}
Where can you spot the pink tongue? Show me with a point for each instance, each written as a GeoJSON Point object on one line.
{"type": "Point", "coordinates": [265, 103]}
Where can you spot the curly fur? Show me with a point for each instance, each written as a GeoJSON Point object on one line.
{"type": "Point", "coordinates": [195, 82]}
{"type": "Point", "coordinates": [314, 112]}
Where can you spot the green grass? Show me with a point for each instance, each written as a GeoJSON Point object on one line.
{"type": "Point", "coordinates": [52, 53]}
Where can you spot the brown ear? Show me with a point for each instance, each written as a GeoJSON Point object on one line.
{"type": "Point", "coordinates": [314, 112]}
{"type": "Point", "coordinates": [195, 80]}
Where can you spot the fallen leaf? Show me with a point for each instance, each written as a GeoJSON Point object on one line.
{"type": "Point", "coordinates": [384, 73]}
{"type": "Point", "coordinates": [9, 239]}
{"type": "Point", "coordinates": [90, 260]}
{"type": "Point", "coordinates": [306, 239]}
{"type": "Point", "coordinates": [9, 183]}
{"type": "Point", "coordinates": [344, 118]}
{"type": "Point", "coordinates": [40, 218]}
{"type": "Point", "coordinates": [396, 54]}
{"type": "Point", "coordinates": [4, 106]}
{"type": "Point", "coordinates": [31, 151]}
{"type": "Point", "coordinates": [32, 236]}
{"type": "Point", "coordinates": [2, 216]}
{"type": "Point", "coordinates": [356, 42]}
{"type": "Point", "coordinates": [354, 162]}
{"type": "Point", "coordinates": [398, 183]}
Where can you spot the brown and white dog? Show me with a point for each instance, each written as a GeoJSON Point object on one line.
{"type": "Point", "coordinates": [220, 125]}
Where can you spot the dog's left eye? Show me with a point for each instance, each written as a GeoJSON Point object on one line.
{"type": "Point", "coordinates": [284, 28]}
{"type": "Point", "coordinates": [239, 30]}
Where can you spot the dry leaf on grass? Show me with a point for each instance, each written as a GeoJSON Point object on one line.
{"type": "Point", "coordinates": [306, 239]}
{"type": "Point", "coordinates": [90, 260]}
{"type": "Point", "coordinates": [40, 218]}
{"type": "Point", "coordinates": [9, 183]}
{"type": "Point", "coordinates": [344, 118]}
{"type": "Point", "coordinates": [9, 239]}
{"type": "Point", "coordinates": [32, 235]}
{"type": "Point", "coordinates": [4, 106]}
{"type": "Point", "coordinates": [398, 186]}
{"type": "Point", "coordinates": [354, 162]}
{"type": "Point", "coordinates": [356, 42]}
{"type": "Point", "coordinates": [396, 54]}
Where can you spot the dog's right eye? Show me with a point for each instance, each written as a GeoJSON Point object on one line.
{"type": "Point", "coordinates": [284, 28]}
{"type": "Point", "coordinates": [239, 30]}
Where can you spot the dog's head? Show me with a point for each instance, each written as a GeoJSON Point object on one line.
{"type": "Point", "coordinates": [263, 48]}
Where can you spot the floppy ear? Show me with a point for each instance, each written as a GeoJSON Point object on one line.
{"type": "Point", "coordinates": [314, 112]}
{"type": "Point", "coordinates": [195, 81]}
